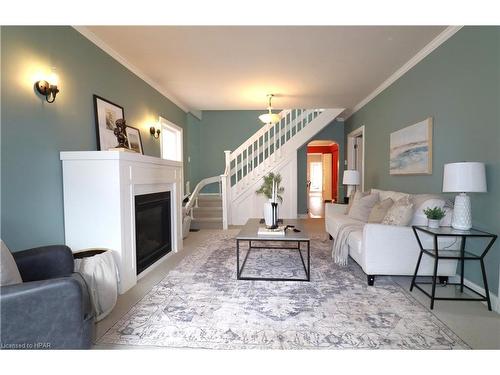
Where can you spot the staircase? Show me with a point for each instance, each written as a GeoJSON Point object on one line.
{"type": "Point", "coordinates": [207, 214]}
{"type": "Point", "coordinates": [273, 148]}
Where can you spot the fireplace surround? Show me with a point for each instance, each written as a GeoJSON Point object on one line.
{"type": "Point", "coordinates": [100, 192]}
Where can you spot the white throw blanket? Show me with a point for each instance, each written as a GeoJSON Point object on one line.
{"type": "Point", "coordinates": [340, 249]}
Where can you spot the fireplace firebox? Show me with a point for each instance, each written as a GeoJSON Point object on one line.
{"type": "Point", "coordinates": [153, 228]}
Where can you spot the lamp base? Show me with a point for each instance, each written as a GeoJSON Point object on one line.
{"type": "Point", "coordinates": [462, 215]}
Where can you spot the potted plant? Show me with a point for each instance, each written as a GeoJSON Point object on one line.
{"type": "Point", "coordinates": [272, 190]}
{"type": "Point", "coordinates": [434, 215]}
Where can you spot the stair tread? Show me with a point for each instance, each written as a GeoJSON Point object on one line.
{"type": "Point", "coordinates": [209, 197]}
{"type": "Point", "coordinates": [207, 219]}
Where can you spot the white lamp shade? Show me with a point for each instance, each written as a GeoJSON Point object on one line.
{"type": "Point", "coordinates": [465, 177]}
{"type": "Point", "coordinates": [350, 177]}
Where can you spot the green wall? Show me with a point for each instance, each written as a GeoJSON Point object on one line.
{"type": "Point", "coordinates": [34, 132]}
{"type": "Point", "coordinates": [219, 131]}
{"type": "Point", "coordinates": [458, 85]}
{"type": "Point", "coordinates": [334, 132]}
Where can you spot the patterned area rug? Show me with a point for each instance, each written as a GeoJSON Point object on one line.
{"type": "Point", "coordinates": [200, 304]}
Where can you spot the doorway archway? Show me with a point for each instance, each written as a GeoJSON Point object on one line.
{"type": "Point", "coordinates": [322, 176]}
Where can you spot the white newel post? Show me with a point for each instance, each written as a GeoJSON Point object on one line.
{"type": "Point", "coordinates": [226, 189]}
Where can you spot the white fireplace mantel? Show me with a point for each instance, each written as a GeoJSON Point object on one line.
{"type": "Point", "coordinates": [99, 209]}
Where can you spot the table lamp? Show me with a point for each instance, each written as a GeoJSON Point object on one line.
{"type": "Point", "coordinates": [464, 177]}
{"type": "Point", "coordinates": [351, 179]}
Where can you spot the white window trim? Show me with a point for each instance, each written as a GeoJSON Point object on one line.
{"type": "Point", "coordinates": [165, 124]}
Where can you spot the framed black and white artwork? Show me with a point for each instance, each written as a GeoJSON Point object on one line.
{"type": "Point", "coordinates": [106, 114]}
{"type": "Point", "coordinates": [134, 139]}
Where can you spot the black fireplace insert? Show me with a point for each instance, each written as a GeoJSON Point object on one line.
{"type": "Point", "coordinates": [153, 228]}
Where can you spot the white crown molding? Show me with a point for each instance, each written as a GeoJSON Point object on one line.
{"type": "Point", "coordinates": [196, 113]}
{"type": "Point", "coordinates": [110, 51]}
{"type": "Point", "coordinates": [435, 43]}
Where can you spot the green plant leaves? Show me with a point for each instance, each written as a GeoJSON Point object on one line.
{"type": "Point", "coordinates": [266, 188]}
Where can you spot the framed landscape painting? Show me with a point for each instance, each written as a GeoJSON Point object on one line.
{"type": "Point", "coordinates": [134, 139]}
{"type": "Point", "coordinates": [411, 149]}
{"type": "Point", "coordinates": [106, 114]}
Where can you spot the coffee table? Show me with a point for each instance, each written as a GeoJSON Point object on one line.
{"type": "Point", "coordinates": [249, 234]}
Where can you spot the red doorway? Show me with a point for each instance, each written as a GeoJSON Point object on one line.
{"type": "Point", "coordinates": [318, 147]}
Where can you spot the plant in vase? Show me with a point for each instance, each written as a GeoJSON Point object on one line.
{"type": "Point", "coordinates": [272, 190]}
{"type": "Point", "coordinates": [434, 215]}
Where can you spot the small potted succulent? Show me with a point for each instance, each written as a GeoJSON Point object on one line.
{"type": "Point", "coordinates": [434, 215]}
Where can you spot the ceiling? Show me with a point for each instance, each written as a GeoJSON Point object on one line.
{"type": "Point", "coordinates": [234, 67]}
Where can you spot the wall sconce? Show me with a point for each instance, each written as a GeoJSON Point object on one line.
{"type": "Point", "coordinates": [155, 132]}
{"type": "Point", "coordinates": [48, 88]}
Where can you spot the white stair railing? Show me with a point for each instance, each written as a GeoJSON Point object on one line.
{"type": "Point", "coordinates": [267, 149]}
{"type": "Point", "coordinates": [265, 145]}
{"type": "Point", "coordinates": [193, 198]}
{"type": "Point", "coordinates": [223, 181]}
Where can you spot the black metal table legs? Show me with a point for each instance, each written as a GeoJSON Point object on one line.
{"type": "Point", "coordinates": [462, 256]}
{"type": "Point", "coordinates": [306, 263]}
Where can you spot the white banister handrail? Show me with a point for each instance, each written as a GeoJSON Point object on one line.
{"type": "Point", "coordinates": [270, 148]}
{"type": "Point", "coordinates": [285, 126]}
{"type": "Point", "coordinates": [197, 190]}
{"type": "Point", "coordinates": [256, 136]}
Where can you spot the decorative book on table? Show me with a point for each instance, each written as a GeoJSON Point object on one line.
{"type": "Point", "coordinates": [280, 231]}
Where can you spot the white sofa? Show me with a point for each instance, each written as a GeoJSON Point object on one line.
{"type": "Point", "coordinates": [388, 249]}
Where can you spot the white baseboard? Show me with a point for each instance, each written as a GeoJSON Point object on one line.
{"type": "Point", "coordinates": [303, 216]}
{"type": "Point", "coordinates": [495, 301]}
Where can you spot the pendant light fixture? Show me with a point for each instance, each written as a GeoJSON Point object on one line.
{"type": "Point", "coordinates": [270, 117]}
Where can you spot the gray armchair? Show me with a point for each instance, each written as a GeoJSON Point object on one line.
{"type": "Point", "coordinates": [51, 309]}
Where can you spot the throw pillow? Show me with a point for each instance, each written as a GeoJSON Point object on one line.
{"type": "Point", "coordinates": [394, 195]}
{"type": "Point", "coordinates": [354, 196]}
{"type": "Point", "coordinates": [400, 213]}
{"type": "Point", "coordinates": [379, 211]}
{"type": "Point", "coordinates": [362, 207]}
{"type": "Point", "coordinates": [9, 273]}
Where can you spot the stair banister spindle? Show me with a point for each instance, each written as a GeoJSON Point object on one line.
{"type": "Point", "coordinates": [227, 158]}
{"type": "Point", "coordinates": [268, 143]}
{"type": "Point", "coordinates": [288, 123]}
{"type": "Point", "coordinates": [278, 143]}
{"type": "Point", "coordinates": [251, 160]}
{"type": "Point", "coordinates": [261, 146]}
{"type": "Point", "coordinates": [237, 169]}
{"type": "Point", "coordinates": [248, 162]}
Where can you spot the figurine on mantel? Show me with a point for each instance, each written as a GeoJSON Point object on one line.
{"type": "Point", "coordinates": [121, 136]}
